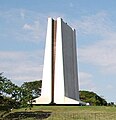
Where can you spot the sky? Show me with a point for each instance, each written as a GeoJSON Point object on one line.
{"type": "Point", "coordinates": [23, 25]}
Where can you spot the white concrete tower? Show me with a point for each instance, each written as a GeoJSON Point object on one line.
{"type": "Point", "coordinates": [60, 78]}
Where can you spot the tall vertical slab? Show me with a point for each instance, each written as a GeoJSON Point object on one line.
{"type": "Point", "coordinates": [59, 88]}
{"type": "Point", "coordinates": [66, 79]}
{"type": "Point", "coordinates": [46, 93]}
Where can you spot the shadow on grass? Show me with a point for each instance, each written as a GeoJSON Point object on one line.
{"type": "Point", "coordinates": [40, 115]}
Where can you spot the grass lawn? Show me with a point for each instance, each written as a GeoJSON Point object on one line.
{"type": "Point", "coordinates": [80, 109]}
{"type": "Point", "coordinates": [70, 112]}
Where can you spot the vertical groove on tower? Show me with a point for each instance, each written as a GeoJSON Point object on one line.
{"type": "Point", "coordinates": [54, 27]}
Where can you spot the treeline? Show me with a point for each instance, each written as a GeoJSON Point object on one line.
{"type": "Point", "coordinates": [13, 96]}
{"type": "Point", "coordinates": [92, 98]}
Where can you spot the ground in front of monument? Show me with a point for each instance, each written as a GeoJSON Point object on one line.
{"type": "Point", "coordinates": [64, 113]}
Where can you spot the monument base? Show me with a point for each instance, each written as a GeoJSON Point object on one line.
{"type": "Point", "coordinates": [67, 101]}
{"type": "Point", "coordinates": [41, 100]}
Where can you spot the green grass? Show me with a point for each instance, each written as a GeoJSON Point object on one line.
{"type": "Point", "coordinates": [73, 112]}
{"type": "Point", "coordinates": [80, 109]}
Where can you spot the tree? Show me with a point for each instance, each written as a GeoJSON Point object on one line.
{"type": "Point", "coordinates": [92, 98]}
{"type": "Point", "coordinates": [11, 93]}
{"type": "Point", "coordinates": [5, 85]}
{"type": "Point", "coordinates": [29, 91]}
{"type": "Point", "coordinates": [2, 79]}
{"type": "Point", "coordinates": [8, 93]}
{"type": "Point", "coordinates": [9, 89]}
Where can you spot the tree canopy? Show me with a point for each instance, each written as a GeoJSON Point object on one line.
{"type": "Point", "coordinates": [12, 95]}
{"type": "Point", "coordinates": [92, 98]}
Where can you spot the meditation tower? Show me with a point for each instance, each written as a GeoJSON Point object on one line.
{"type": "Point", "coordinates": [60, 78]}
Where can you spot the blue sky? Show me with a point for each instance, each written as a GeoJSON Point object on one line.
{"type": "Point", "coordinates": [23, 26]}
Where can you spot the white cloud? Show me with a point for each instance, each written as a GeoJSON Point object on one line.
{"type": "Point", "coordinates": [34, 29]}
{"type": "Point", "coordinates": [27, 27]}
{"type": "Point", "coordinates": [110, 87]}
{"type": "Point", "coordinates": [94, 24]}
{"type": "Point", "coordinates": [86, 82]}
{"type": "Point", "coordinates": [38, 33]}
{"type": "Point", "coordinates": [21, 66]}
{"type": "Point", "coordinates": [24, 25]}
{"type": "Point", "coordinates": [101, 54]}
{"type": "Point", "coordinates": [22, 13]}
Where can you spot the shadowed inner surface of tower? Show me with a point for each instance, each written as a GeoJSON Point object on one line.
{"type": "Point", "coordinates": [54, 27]}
